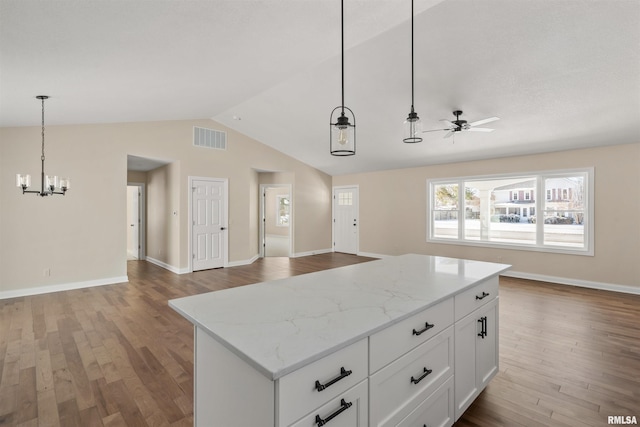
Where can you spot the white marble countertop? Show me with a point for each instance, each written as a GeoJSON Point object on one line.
{"type": "Point", "coordinates": [282, 325]}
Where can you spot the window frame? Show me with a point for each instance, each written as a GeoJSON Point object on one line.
{"type": "Point", "coordinates": [539, 205]}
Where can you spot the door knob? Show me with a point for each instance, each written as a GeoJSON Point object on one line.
{"type": "Point", "coordinates": [223, 228]}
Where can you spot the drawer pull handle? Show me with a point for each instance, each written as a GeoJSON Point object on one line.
{"type": "Point", "coordinates": [427, 326]}
{"type": "Point", "coordinates": [483, 296]}
{"type": "Point", "coordinates": [343, 407]}
{"type": "Point", "coordinates": [343, 373]}
{"type": "Point", "coordinates": [421, 377]}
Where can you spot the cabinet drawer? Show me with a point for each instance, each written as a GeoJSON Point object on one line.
{"type": "Point", "coordinates": [435, 411]}
{"type": "Point", "coordinates": [396, 389]}
{"type": "Point", "coordinates": [350, 409]}
{"type": "Point", "coordinates": [313, 385]}
{"type": "Point", "coordinates": [394, 341]}
{"type": "Point", "coordinates": [475, 297]}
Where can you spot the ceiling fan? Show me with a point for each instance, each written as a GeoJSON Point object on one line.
{"type": "Point", "coordinates": [459, 125]}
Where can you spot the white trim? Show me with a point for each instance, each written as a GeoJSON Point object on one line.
{"type": "Point", "coordinates": [169, 267]}
{"type": "Point", "coordinates": [373, 255]}
{"type": "Point", "coordinates": [308, 253]}
{"type": "Point", "coordinates": [62, 287]}
{"type": "Point", "coordinates": [244, 262]}
{"type": "Point", "coordinates": [574, 282]}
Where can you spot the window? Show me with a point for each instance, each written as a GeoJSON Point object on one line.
{"type": "Point", "coordinates": [502, 211]}
{"type": "Point", "coordinates": [345, 198]}
{"type": "Point", "coordinates": [282, 213]}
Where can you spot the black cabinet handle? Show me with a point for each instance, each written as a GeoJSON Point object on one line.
{"type": "Point", "coordinates": [483, 331]}
{"type": "Point", "coordinates": [343, 373]}
{"type": "Point", "coordinates": [343, 407]}
{"type": "Point", "coordinates": [421, 377]}
{"type": "Point", "coordinates": [483, 296]}
{"type": "Point", "coordinates": [427, 326]}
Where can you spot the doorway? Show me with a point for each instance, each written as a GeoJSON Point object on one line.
{"type": "Point", "coordinates": [345, 219]}
{"type": "Point", "coordinates": [276, 212]}
{"type": "Point", "coordinates": [136, 237]}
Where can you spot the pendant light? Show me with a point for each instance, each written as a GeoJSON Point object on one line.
{"type": "Point", "coordinates": [342, 135]}
{"type": "Point", "coordinates": [48, 184]}
{"type": "Point", "coordinates": [413, 125]}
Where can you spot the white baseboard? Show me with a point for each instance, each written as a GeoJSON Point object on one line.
{"type": "Point", "coordinates": [317, 252]}
{"type": "Point", "coordinates": [166, 266]}
{"type": "Point", "coordinates": [574, 282]}
{"type": "Point", "coordinates": [62, 287]}
{"type": "Point", "coordinates": [243, 262]}
{"type": "Point", "coordinates": [372, 255]}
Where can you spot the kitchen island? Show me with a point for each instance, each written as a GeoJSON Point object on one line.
{"type": "Point", "coordinates": [367, 344]}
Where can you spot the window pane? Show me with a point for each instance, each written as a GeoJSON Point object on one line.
{"type": "Point", "coordinates": [445, 211]}
{"type": "Point", "coordinates": [500, 210]}
{"type": "Point", "coordinates": [564, 211]}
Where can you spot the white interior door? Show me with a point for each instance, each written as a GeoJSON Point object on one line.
{"type": "Point", "coordinates": [209, 223]}
{"type": "Point", "coordinates": [133, 222]}
{"type": "Point", "coordinates": [345, 219]}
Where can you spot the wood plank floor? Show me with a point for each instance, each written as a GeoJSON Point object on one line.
{"type": "Point", "coordinates": [119, 356]}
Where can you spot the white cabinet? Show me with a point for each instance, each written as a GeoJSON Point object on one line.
{"type": "Point", "coordinates": [230, 393]}
{"type": "Point", "coordinates": [348, 410]}
{"type": "Point", "coordinates": [476, 354]}
{"type": "Point", "coordinates": [395, 390]}
{"type": "Point", "coordinates": [435, 411]}
{"type": "Point", "coordinates": [406, 341]}
{"type": "Point", "coordinates": [312, 386]}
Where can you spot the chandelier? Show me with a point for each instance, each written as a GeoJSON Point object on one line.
{"type": "Point", "coordinates": [48, 184]}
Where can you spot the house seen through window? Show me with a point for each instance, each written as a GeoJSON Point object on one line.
{"type": "Point", "coordinates": [505, 211]}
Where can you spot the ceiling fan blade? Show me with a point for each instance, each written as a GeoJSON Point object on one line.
{"type": "Point", "coordinates": [434, 130]}
{"type": "Point", "coordinates": [482, 122]}
{"type": "Point", "coordinates": [450, 124]}
{"type": "Point", "coordinates": [480, 130]}
{"type": "Point", "coordinates": [448, 134]}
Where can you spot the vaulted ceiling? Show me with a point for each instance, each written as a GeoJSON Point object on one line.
{"type": "Point", "coordinates": [559, 74]}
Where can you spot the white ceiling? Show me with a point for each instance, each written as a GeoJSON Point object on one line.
{"type": "Point", "coordinates": [559, 73]}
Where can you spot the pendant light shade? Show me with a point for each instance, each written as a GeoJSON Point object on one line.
{"type": "Point", "coordinates": [412, 128]}
{"type": "Point", "coordinates": [413, 124]}
{"type": "Point", "coordinates": [342, 123]}
{"type": "Point", "coordinates": [343, 132]}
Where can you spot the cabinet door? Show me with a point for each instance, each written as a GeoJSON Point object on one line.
{"type": "Point", "coordinates": [487, 347]}
{"type": "Point", "coordinates": [465, 372]}
{"type": "Point", "coordinates": [476, 354]}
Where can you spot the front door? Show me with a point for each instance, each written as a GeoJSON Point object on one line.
{"type": "Point", "coordinates": [345, 219]}
{"type": "Point", "coordinates": [209, 223]}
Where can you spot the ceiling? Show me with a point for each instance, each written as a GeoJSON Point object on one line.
{"type": "Point", "coordinates": [560, 74]}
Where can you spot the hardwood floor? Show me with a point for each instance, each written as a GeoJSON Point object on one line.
{"type": "Point", "coordinates": [119, 356]}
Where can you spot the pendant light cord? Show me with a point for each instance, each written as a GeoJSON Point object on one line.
{"type": "Point", "coordinates": [342, 45]}
{"type": "Point", "coordinates": [412, 56]}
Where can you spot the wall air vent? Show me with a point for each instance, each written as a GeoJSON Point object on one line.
{"type": "Point", "coordinates": [209, 138]}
